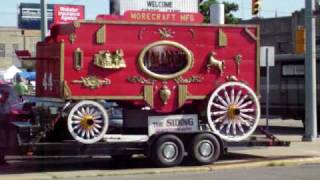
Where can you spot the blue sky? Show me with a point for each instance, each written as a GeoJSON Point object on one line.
{"type": "Point", "coordinates": [9, 8]}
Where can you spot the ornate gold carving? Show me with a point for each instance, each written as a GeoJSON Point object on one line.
{"type": "Point", "coordinates": [238, 60]}
{"type": "Point", "coordinates": [165, 33]}
{"type": "Point", "coordinates": [107, 60]}
{"type": "Point", "coordinates": [188, 53]}
{"type": "Point", "coordinates": [78, 59]}
{"type": "Point", "coordinates": [183, 95]}
{"type": "Point", "coordinates": [165, 94]}
{"type": "Point", "coordinates": [92, 82]}
{"type": "Point", "coordinates": [250, 34]}
{"type": "Point", "coordinates": [220, 65]}
{"type": "Point", "coordinates": [223, 39]}
{"type": "Point", "coordinates": [66, 90]}
{"type": "Point", "coordinates": [141, 80]}
{"type": "Point", "coordinates": [72, 37]}
{"type": "Point", "coordinates": [232, 78]}
{"type": "Point", "coordinates": [192, 79]}
{"type": "Point", "coordinates": [148, 95]}
{"type": "Point", "coordinates": [76, 24]}
{"type": "Point", "coordinates": [101, 35]}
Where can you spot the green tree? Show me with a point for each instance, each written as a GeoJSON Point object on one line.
{"type": "Point", "coordinates": [229, 8]}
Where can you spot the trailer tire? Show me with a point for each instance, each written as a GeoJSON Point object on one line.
{"type": "Point", "coordinates": [167, 151]}
{"type": "Point", "coordinates": [204, 149]}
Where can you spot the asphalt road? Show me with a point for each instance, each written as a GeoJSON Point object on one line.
{"type": "Point", "coordinates": [305, 172]}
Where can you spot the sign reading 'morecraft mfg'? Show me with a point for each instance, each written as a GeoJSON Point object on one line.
{"type": "Point", "coordinates": [119, 7]}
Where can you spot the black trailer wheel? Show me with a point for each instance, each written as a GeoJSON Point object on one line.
{"type": "Point", "coordinates": [167, 151]}
{"type": "Point", "coordinates": [204, 149]}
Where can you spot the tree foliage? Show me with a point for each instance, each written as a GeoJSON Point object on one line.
{"type": "Point", "coordinates": [229, 8]}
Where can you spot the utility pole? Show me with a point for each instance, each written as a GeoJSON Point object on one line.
{"type": "Point", "coordinates": [310, 74]}
{"type": "Point", "coordinates": [44, 26]}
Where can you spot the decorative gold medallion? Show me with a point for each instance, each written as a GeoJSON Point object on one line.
{"type": "Point", "coordinates": [238, 60]}
{"type": "Point", "coordinates": [141, 80]}
{"type": "Point", "coordinates": [220, 65]}
{"type": "Point", "coordinates": [192, 79]}
{"type": "Point", "coordinates": [107, 60]}
{"type": "Point", "coordinates": [92, 82]}
{"type": "Point", "coordinates": [76, 24]}
{"type": "Point", "coordinates": [165, 94]}
{"type": "Point", "coordinates": [165, 33]}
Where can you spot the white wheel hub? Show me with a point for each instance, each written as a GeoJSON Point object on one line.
{"type": "Point", "coordinates": [88, 122]}
{"type": "Point", "coordinates": [233, 111]}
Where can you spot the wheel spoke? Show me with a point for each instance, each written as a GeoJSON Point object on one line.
{"type": "Point", "coordinates": [247, 110]}
{"type": "Point", "coordinates": [83, 133]}
{"type": "Point", "coordinates": [227, 96]}
{"type": "Point", "coordinates": [79, 113]}
{"type": "Point", "coordinates": [228, 127]}
{"type": "Point", "coordinates": [76, 117]}
{"type": "Point", "coordinates": [234, 128]}
{"type": "Point", "coordinates": [223, 124]}
{"type": "Point", "coordinates": [217, 113]}
{"type": "Point", "coordinates": [246, 116]}
{"type": "Point", "coordinates": [76, 122]}
{"type": "Point", "coordinates": [240, 126]}
{"type": "Point", "coordinates": [83, 111]}
{"type": "Point", "coordinates": [242, 99]}
{"type": "Point", "coordinates": [238, 97]}
{"type": "Point", "coordinates": [92, 133]}
{"type": "Point", "coordinates": [232, 95]}
{"type": "Point", "coordinates": [220, 119]}
{"type": "Point", "coordinates": [219, 106]}
{"type": "Point", "coordinates": [244, 122]}
{"type": "Point", "coordinates": [222, 101]}
{"type": "Point", "coordinates": [97, 126]}
{"type": "Point", "coordinates": [96, 130]}
{"type": "Point", "coordinates": [245, 104]}
{"type": "Point", "coordinates": [87, 134]}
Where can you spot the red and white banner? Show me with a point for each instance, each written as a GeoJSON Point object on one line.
{"type": "Point", "coordinates": [67, 13]}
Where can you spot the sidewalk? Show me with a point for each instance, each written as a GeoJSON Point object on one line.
{"type": "Point", "coordinates": [246, 157]}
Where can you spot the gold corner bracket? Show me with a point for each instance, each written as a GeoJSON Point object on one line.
{"type": "Point", "coordinates": [223, 38]}
{"type": "Point", "coordinates": [78, 59]}
{"type": "Point", "coordinates": [101, 35]}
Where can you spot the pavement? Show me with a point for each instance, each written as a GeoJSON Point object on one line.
{"type": "Point", "coordinates": [298, 153]}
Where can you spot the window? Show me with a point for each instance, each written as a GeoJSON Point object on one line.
{"type": "Point", "coordinates": [293, 70]}
{"type": "Point", "coordinates": [2, 50]}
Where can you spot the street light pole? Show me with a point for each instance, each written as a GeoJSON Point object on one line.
{"type": "Point", "coordinates": [310, 74]}
{"type": "Point", "coordinates": [44, 28]}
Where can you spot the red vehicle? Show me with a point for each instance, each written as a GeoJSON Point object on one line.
{"type": "Point", "coordinates": [174, 82]}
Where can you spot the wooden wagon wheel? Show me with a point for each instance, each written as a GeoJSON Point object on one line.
{"type": "Point", "coordinates": [233, 111]}
{"type": "Point", "coordinates": [88, 122]}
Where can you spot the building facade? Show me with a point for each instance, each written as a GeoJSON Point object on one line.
{"type": "Point", "coordinates": [12, 39]}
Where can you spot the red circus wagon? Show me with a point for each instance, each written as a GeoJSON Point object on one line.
{"type": "Point", "coordinates": [175, 86]}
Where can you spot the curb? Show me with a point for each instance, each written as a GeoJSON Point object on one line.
{"type": "Point", "coordinates": [101, 173]}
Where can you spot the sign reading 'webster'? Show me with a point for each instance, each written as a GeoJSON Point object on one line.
{"type": "Point", "coordinates": [68, 13]}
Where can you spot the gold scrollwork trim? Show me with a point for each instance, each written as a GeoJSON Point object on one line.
{"type": "Point", "coordinates": [219, 64]}
{"type": "Point", "coordinates": [192, 79]}
{"type": "Point", "coordinates": [107, 60]}
{"type": "Point", "coordinates": [141, 80]}
{"type": "Point", "coordinates": [188, 53]}
{"type": "Point", "coordinates": [92, 82]}
{"type": "Point", "coordinates": [78, 59]}
{"type": "Point", "coordinates": [165, 33]}
{"type": "Point", "coordinates": [238, 61]}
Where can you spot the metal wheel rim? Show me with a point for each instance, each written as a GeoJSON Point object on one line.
{"type": "Point", "coordinates": [206, 148]}
{"type": "Point", "coordinates": [233, 111]}
{"type": "Point", "coordinates": [88, 122]}
{"type": "Point", "coordinates": [169, 151]}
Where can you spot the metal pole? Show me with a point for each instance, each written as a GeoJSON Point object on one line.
{"type": "Point", "coordinates": [44, 28]}
{"type": "Point", "coordinates": [267, 89]}
{"type": "Point", "coordinates": [310, 74]}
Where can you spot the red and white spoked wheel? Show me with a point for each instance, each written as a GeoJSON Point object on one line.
{"type": "Point", "coordinates": [88, 122]}
{"type": "Point", "coordinates": [233, 111]}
